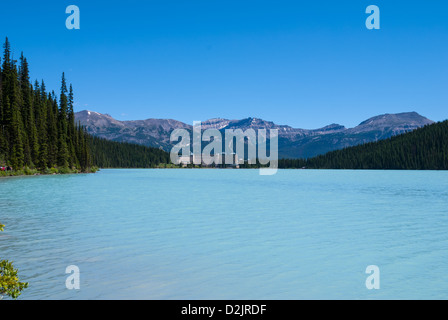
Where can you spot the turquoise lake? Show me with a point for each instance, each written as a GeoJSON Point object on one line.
{"type": "Point", "coordinates": [228, 234]}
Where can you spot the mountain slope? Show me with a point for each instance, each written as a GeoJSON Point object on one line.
{"type": "Point", "coordinates": [293, 142]}
{"type": "Point", "coordinates": [373, 129]}
{"type": "Point", "coordinates": [150, 132]}
{"type": "Point", "coordinates": [111, 154]}
{"type": "Point", "coordinates": [422, 149]}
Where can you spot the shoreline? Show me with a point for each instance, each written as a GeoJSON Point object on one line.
{"type": "Point", "coordinates": [37, 174]}
{"type": "Point", "coordinates": [47, 172]}
{"type": "Point", "coordinates": [42, 175]}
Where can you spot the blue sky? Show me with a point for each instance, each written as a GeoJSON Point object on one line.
{"type": "Point", "coordinates": [303, 64]}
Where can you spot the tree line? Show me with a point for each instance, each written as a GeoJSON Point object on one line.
{"type": "Point", "coordinates": [425, 148]}
{"type": "Point", "coordinates": [112, 154]}
{"type": "Point", "coordinates": [38, 129]}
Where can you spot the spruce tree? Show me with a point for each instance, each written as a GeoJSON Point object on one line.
{"type": "Point", "coordinates": [63, 153]}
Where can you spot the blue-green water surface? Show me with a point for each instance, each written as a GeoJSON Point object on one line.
{"type": "Point", "coordinates": [228, 234]}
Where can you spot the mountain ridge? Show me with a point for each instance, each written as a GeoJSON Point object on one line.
{"type": "Point", "coordinates": [293, 142]}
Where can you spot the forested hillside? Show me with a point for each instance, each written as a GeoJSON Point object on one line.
{"type": "Point", "coordinates": [423, 149]}
{"type": "Point", "coordinates": [111, 154]}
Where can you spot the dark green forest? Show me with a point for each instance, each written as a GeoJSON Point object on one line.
{"type": "Point", "coordinates": [111, 154]}
{"type": "Point", "coordinates": [38, 132]}
{"type": "Point", "coordinates": [38, 129]}
{"type": "Point", "coordinates": [422, 149]}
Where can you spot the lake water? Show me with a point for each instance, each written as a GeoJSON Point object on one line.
{"type": "Point", "coordinates": [228, 234]}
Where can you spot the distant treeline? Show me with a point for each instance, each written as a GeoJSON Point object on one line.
{"type": "Point", "coordinates": [422, 149]}
{"type": "Point", "coordinates": [111, 154]}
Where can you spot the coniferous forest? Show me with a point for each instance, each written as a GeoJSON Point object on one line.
{"type": "Point", "coordinates": [38, 129]}
{"type": "Point", "coordinates": [111, 154]}
{"type": "Point", "coordinates": [422, 149]}
{"type": "Point", "coordinates": [38, 132]}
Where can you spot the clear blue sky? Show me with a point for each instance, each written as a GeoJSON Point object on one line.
{"type": "Point", "coordinates": [302, 63]}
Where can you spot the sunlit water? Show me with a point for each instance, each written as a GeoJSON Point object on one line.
{"type": "Point", "coordinates": [228, 234]}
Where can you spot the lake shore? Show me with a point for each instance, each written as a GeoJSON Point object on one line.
{"type": "Point", "coordinates": [53, 171]}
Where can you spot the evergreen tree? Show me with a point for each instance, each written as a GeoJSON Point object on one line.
{"type": "Point", "coordinates": [17, 157]}
{"type": "Point", "coordinates": [63, 153]}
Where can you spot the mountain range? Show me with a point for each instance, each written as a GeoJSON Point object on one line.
{"type": "Point", "coordinates": [293, 142]}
